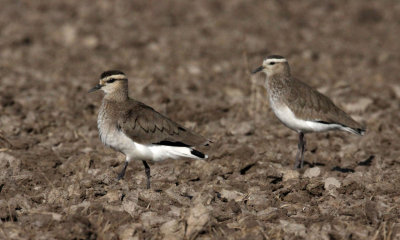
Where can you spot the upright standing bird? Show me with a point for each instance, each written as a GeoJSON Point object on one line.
{"type": "Point", "coordinates": [300, 107]}
{"type": "Point", "coordinates": [137, 130]}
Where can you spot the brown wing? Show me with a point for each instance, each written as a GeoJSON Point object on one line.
{"type": "Point", "coordinates": [314, 106]}
{"type": "Point", "coordinates": [145, 125]}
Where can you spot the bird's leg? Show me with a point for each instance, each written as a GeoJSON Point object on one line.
{"type": "Point", "coordinates": [296, 163]}
{"type": "Point", "coordinates": [147, 170]}
{"type": "Point", "coordinates": [300, 153]}
{"type": "Point", "coordinates": [303, 147]}
{"type": "Point", "coordinates": [122, 173]}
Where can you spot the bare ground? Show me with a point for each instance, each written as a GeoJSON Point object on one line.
{"type": "Point", "coordinates": [191, 60]}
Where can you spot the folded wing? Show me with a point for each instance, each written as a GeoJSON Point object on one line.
{"type": "Point", "coordinates": [146, 126]}
{"type": "Point", "coordinates": [314, 106]}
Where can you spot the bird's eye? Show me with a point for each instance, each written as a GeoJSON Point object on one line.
{"type": "Point", "coordinates": [271, 63]}
{"type": "Point", "coordinates": [111, 80]}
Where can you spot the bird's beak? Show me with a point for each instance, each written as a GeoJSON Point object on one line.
{"type": "Point", "coordinates": [97, 87]}
{"type": "Point", "coordinates": [260, 68]}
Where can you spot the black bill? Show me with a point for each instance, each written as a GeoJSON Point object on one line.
{"type": "Point", "coordinates": [97, 87]}
{"type": "Point", "coordinates": [260, 68]}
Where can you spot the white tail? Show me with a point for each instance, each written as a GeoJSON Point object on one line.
{"type": "Point", "coordinates": [162, 152]}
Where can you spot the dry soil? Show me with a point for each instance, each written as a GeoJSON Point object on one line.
{"type": "Point", "coordinates": [192, 60]}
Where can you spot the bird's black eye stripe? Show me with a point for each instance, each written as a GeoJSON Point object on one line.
{"type": "Point", "coordinates": [111, 80]}
{"type": "Point", "coordinates": [271, 63]}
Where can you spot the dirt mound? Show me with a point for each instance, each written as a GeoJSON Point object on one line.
{"type": "Point", "coordinates": [191, 60]}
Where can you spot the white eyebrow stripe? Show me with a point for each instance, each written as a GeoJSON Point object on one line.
{"type": "Point", "coordinates": [117, 76]}
{"type": "Point", "coordinates": [276, 60]}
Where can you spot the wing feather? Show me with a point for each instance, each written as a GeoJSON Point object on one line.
{"type": "Point", "coordinates": [145, 125]}
{"type": "Point", "coordinates": [314, 106]}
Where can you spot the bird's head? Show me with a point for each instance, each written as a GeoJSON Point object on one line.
{"type": "Point", "coordinates": [272, 65]}
{"type": "Point", "coordinates": [111, 81]}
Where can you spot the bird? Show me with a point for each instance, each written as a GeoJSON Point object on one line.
{"type": "Point", "coordinates": [300, 107]}
{"type": "Point", "coordinates": [137, 130]}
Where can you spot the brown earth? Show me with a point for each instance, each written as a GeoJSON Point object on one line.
{"type": "Point", "coordinates": [191, 60]}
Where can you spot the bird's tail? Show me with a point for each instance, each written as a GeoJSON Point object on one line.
{"type": "Point", "coordinates": [162, 152]}
{"type": "Point", "coordinates": [358, 131]}
{"type": "Point", "coordinates": [198, 153]}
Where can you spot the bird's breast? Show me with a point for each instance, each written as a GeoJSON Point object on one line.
{"type": "Point", "coordinates": [107, 130]}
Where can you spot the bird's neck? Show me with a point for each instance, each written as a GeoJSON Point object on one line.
{"type": "Point", "coordinates": [119, 95]}
{"type": "Point", "coordinates": [278, 83]}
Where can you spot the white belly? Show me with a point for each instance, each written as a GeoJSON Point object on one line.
{"type": "Point", "coordinates": [135, 151]}
{"type": "Point", "coordinates": [287, 117]}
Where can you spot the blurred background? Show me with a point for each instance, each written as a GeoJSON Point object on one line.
{"type": "Point", "coordinates": [192, 60]}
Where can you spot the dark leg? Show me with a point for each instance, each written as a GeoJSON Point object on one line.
{"type": "Point", "coordinates": [122, 173]}
{"type": "Point", "coordinates": [303, 148]}
{"type": "Point", "coordinates": [300, 154]}
{"type": "Point", "coordinates": [147, 170]}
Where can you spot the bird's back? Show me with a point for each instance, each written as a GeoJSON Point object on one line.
{"type": "Point", "coordinates": [307, 103]}
{"type": "Point", "coordinates": [144, 125]}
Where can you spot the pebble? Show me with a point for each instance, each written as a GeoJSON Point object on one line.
{"type": "Point", "coordinates": [312, 172]}
{"type": "Point", "coordinates": [232, 195]}
{"type": "Point", "coordinates": [331, 182]}
{"type": "Point", "coordinates": [290, 174]}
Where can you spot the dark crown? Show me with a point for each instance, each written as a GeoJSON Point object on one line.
{"type": "Point", "coordinates": [110, 73]}
{"type": "Point", "coordinates": [275, 57]}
